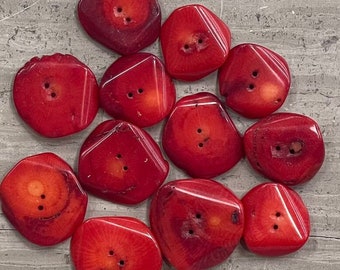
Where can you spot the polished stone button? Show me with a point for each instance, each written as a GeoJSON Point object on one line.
{"type": "Point", "coordinates": [115, 243]}
{"type": "Point", "coordinates": [121, 162]}
{"type": "Point", "coordinates": [136, 88]}
{"type": "Point", "coordinates": [56, 95]}
{"type": "Point", "coordinates": [125, 26]}
{"type": "Point", "coordinates": [254, 80]}
{"type": "Point", "coordinates": [285, 147]}
{"type": "Point", "coordinates": [194, 41]}
{"type": "Point", "coordinates": [43, 200]}
{"type": "Point", "coordinates": [276, 220]}
{"type": "Point", "coordinates": [200, 137]}
{"type": "Point", "coordinates": [197, 222]}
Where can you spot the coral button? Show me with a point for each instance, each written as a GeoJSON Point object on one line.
{"type": "Point", "coordinates": [56, 95]}
{"type": "Point", "coordinates": [200, 137]}
{"type": "Point", "coordinates": [124, 26]}
{"type": "Point", "coordinates": [254, 80]}
{"type": "Point", "coordinates": [285, 147]}
{"type": "Point", "coordinates": [121, 162]}
{"type": "Point", "coordinates": [43, 200]}
{"type": "Point", "coordinates": [276, 220]}
{"type": "Point", "coordinates": [136, 88]}
{"type": "Point", "coordinates": [197, 222]}
{"type": "Point", "coordinates": [194, 41]}
{"type": "Point", "coordinates": [115, 243]}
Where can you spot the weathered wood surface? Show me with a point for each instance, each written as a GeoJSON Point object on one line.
{"type": "Point", "coordinates": [306, 33]}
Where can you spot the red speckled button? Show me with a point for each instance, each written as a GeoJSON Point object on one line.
{"type": "Point", "coordinates": [115, 243]}
{"type": "Point", "coordinates": [285, 147]}
{"type": "Point", "coordinates": [43, 200]}
{"type": "Point", "coordinates": [121, 162]}
{"type": "Point", "coordinates": [197, 222]}
{"type": "Point", "coordinates": [254, 80]}
{"type": "Point", "coordinates": [124, 26]}
{"type": "Point", "coordinates": [136, 88]}
{"type": "Point", "coordinates": [200, 137]}
{"type": "Point", "coordinates": [56, 95]}
{"type": "Point", "coordinates": [276, 220]}
{"type": "Point", "coordinates": [194, 42]}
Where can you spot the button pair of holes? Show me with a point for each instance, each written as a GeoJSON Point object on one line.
{"type": "Point", "coordinates": [119, 156]}
{"type": "Point", "coordinates": [254, 75]}
{"type": "Point", "coordinates": [294, 147]}
{"type": "Point", "coordinates": [127, 20]}
{"type": "Point", "coordinates": [41, 207]}
{"type": "Point", "coordinates": [130, 95]}
{"type": "Point", "coordinates": [47, 86]}
{"type": "Point", "coordinates": [112, 253]}
{"type": "Point", "coordinates": [196, 43]}
{"type": "Point", "coordinates": [275, 226]}
{"type": "Point", "coordinates": [199, 131]}
{"type": "Point", "coordinates": [187, 46]}
{"type": "Point", "coordinates": [197, 216]}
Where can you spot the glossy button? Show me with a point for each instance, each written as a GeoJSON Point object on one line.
{"type": "Point", "coordinates": [276, 220]}
{"type": "Point", "coordinates": [137, 89]}
{"type": "Point", "coordinates": [285, 147]}
{"type": "Point", "coordinates": [197, 222]}
{"type": "Point", "coordinates": [43, 200]}
{"type": "Point", "coordinates": [200, 137]}
{"type": "Point", "coordinates": [121, 163]}
{"type": "Point", "coordinates": [194, 42]}
{"type": "Point", "coordinates": [114, 243]}
{"type": "Point", "coordinates": [56, 95]}
{"type": "Point", "coordinates": [125, 26]}
{"type": "Point", "coordinates": [254, 80]}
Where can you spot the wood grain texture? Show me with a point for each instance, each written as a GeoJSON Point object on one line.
{"type": "Point", "coordinates": [306, 33]}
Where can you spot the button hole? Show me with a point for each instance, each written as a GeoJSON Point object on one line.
{"type": "Point", "coordinates": [251, 86]}
{"type": "Point", "coordinates": [255, 73]}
